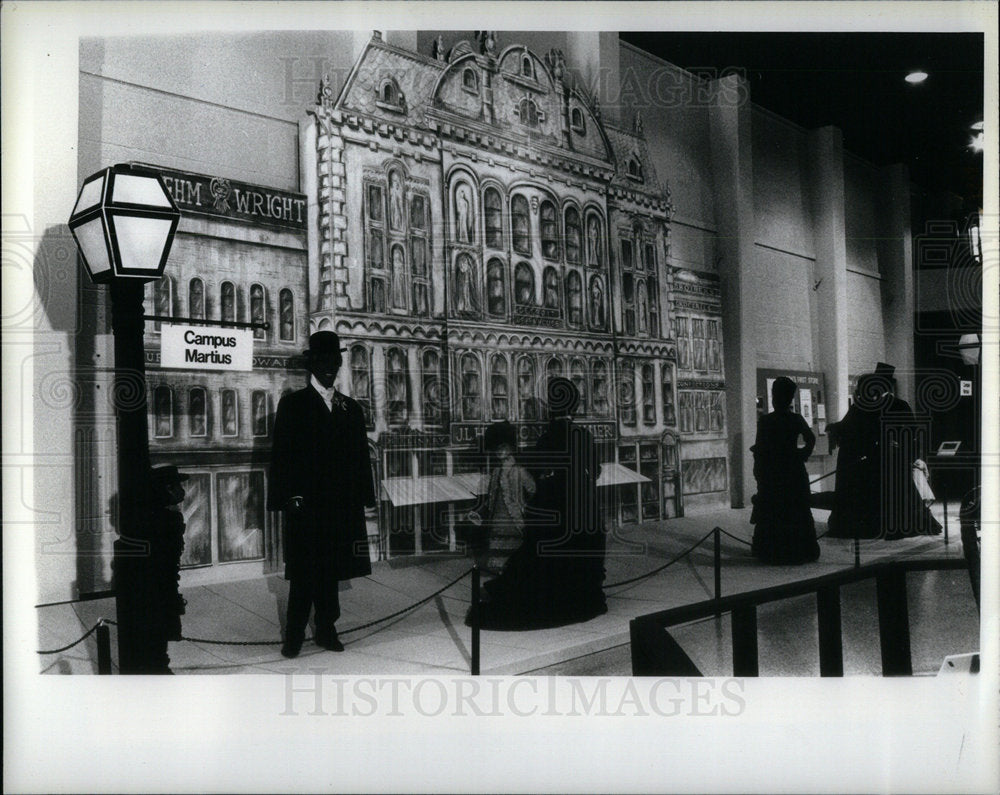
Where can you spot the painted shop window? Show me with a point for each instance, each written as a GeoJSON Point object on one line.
{"type": "Point", "coordinates": [431, 387]}
{"type": "Point", "coordinates": [524, 284]}
{"type": "Point", "coordinates": [576, 121]}
{"type": "Point", "coordinates": [520, 224]}
{"type": "Point", "coordinates": [228, 301]}
{"type": "Point", "coordinates": [470, 82]}
{"type": "Point", "coordinates": [493, 208]}
{"type": "Point", "coordinates": [578, 375]}
{"type": "Point", "coordinates": [499, 388]}
{"type": "Point", "coordinates": [472, 388]}
{"type": "Point", "coordinates": [196, 510]}
{"type": "Point", "coordinates": [701, 411]}
{"type": "Point", "coordinates": [397, 387]}
{"type": "Point", "coordinates": [550, 231]}
{"type": "Point", "coordinates": [197, 412]}
{"type": "Point", "coordinates": [257, 309]}
{"type": "Point", "coordinates": [717, 416]}
{"type": "Point", "coordinates": [572, 218]}
{"type": "Point", "coordinates": [574, 298]}
{"type": "Point", "coordinates": [397, 201]}
{"type": "Point", "coordinates": [496, 290]}
{"type": "Point", "coordinates": [626, 392]}
{"type": "Point", "coordinates": [241, 515]}
{"type": "Point", "coordinates": [594, 248]}
{"type": "Point", "coordinates": [698, 343]}
{"type": "Point", "coordinates": [550, 288]}
{"type": "Point", "coordinates": [599, 389]}
{"type": "Point", "coordinates": [667, 394]}
{"type": "Point", "coordinates": [466, 291]}
{"type": "Point", "coordinates": [286, 315]}
{"type": "Point", "coordinates": [361, 381]}
{"type": "Point", "coordinates": [596, 302]}
{"type": "Point", "coordinates": [163, 412]}
{"type": "Point", "coordinates": [553, 368]}
{"type": "Point", "coordinates": [230, 413]}
{"type": "Point", "coordinates": [683, 342]}
{"type": "Point", "coordinates": [648, 395]}
{"type": "Point", "coordinates": [714, 352]}
{"type": "Point", "coordinates": [528, 113]}
{"type": "Point", "coordinates": [398, 279]}
{"type": "Point", "coordinates": [526, 406]}
{"type": "Point", "coordinates": [649, 492]}
{"type": "Point", "coordinates": [465, 217]}
{"type": "Point", "coordinates": [196, 299]}
{"type": "Point", "coordinates": [258, 412]}
{"type": "Point", "coordinates": [162, 299]}
{"type": "Point", "coordinates": [704, 475]}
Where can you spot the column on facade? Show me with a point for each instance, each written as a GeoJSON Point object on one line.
{"type": "Point", "coordinates": [732, 180]}
{"type": "Point", "coordinates": [826, 191]}
{"type": "Point", "coordinates": [378, 388]}
{"type": "Point", "coordinates": [895, 255]}
{"type": "Point", "coordinates": [415, 377]}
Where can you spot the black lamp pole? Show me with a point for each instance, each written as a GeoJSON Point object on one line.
{"type": "Point", "coordinates": [134, 484]}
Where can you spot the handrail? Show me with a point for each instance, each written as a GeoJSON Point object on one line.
{"type": "Point", "coordinates": [656, 653]}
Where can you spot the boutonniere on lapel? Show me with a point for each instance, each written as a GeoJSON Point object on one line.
{"type": "Point", "coordinates": [338, 401]}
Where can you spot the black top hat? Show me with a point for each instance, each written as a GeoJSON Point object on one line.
{"type": "Point", "coordinates": [167, 473]}
{"type": "Point", "coordinates": [884, 369]}
{"type": "Point", "coordinates": [322, 342]}
{"type": "Point", "coordinates": [500, 433]}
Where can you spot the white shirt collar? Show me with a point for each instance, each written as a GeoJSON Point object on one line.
{"type": "Point", "coordinates": [326, 394]}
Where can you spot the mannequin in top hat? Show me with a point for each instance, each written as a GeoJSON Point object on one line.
{"type": "Point", "coordinates": [875, 496]}
{"type": "Point", "coordinates": [320, 476]}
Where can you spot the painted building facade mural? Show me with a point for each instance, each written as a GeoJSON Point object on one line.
{"type": "Point", "coordinates": [475, 228]}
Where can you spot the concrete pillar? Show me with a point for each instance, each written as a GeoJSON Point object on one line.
{"type": "Point", "coordinates": [826, 191]}
{"type": "Point", "coordinates": [895, 258]}
{"type": "Point", "coordinates": [732, 182]}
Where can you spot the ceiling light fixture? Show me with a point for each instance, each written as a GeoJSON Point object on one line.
{"type": "Point", "coordinates": [916, 77]}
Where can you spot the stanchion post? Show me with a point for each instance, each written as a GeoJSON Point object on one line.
{"type": "Point", "coordinates": [944, 504]}
{"type": "Point", "coordinates": [475, 620]}
{"type": "Point", "coordinates": [718, 566]}
{"type": "Point", "coordinates": [103, 648]}
{"type": "Point", "coordinates": [857, 550]}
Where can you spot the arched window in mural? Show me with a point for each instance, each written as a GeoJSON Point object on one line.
{"type": "Point", "coordinates": [718, 417]}
{"type": "Point", "coordinates": [258, 411]}
{"type": "Point", "coordinates": [550, 230]}
{"type": "Point", "coordinates": [667, 394]}
{"type": "Point", "coordinates": [648, 395]}
{"type": "Point", "coordinates": [578, 375]}
{"type": "Point", "coordinates": [654, 307]}
{"type": "Point", "coordinates": [496, 292]}
{"type": "Point", "coordinates": [520, 219]}
{"type": "Point", "coordinates": [524, 284]}
{"type": "Point", "coordinates": [628, 285]}
{"type": "Point", "coordinates": [499, 388]}
{"type": "Point", "coordinates": [527, 67]}
{"type": "Point", "coordinates": [419, 253]}
{"type": "Point", "coordinates": [528, 112]}
{"type": "Point", "coordinates": [469, 81]}
{"type": "Point", "coordinates": [228, 302]}
{"type": "Point", "coordinates": [576, 121]}
{"type": "Point", "coordinates": [361, 380]}
{"type": "Point", "coordinates": [397, 202]}
{"type": "Point", "coordinates": [162, 299]}
{"type": "Point", "coordinates": [594, 247]}
{"type": "Point", "coordinates": [714, 355]}
{"type": "Point", "coordinates": [553, 368]}
{"type": "Point", "coordinates": [574, 298]}
{"type": "Point", "coordinates": [397, 387]}
{"type": "Point", "coordinates": [572, 235]}
{"type": "Point", "coordinates": [230, 413]}
{"type": "Point", "coordinates": [526, 406]}
{"type": "Point", "coordinates": [398, 280]}
{"type": "Point", "coordinates": [626, 392]}
{"type": "Point", "coordinates": [286, 319]}
{"type": "Point", "coordinates": [550, 288]}
{"type": "Point", "coordinates": [196, 299]}
{"type": "Point", "coordinates": [197, 412]}
{"type": "Point", "coordinates": [698, 343]}
{"type": "Point", "coordinates": [431, 387]}
{"type": "Point", "coordinates": [493, 206]}
{"type": "Point", "coordinates": [257, 309]}
{"type": "Point", "coordinates": [466, 290]}
{"type": "Point", "coordinates": [163, 412]}
{"type": "Point", "coordinates": [634, 168]}
{"type": "Point", "coordinates": [596, 302]}
{"type": "Point", "coordinates": [643, 306]}
{"type": "Point", "coordinates": [599, 389]}
{"type": "Point", "coordinates": [472, 388]}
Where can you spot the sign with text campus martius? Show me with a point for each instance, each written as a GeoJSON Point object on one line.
{"type": "Point", "coordinates": [202, 194]}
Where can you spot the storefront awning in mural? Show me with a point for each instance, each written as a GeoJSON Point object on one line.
{"type": "Point", "coordinates": [476, 482]}
{"type": "Point", "coordinates": [616, 475]}
{"type": "Point", "coordinates": [431, 488]}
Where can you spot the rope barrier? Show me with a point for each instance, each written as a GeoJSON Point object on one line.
{"type": "Point", "coordinates": [79, 640]}
{"type": "Point", "coordinates": [670, 562]}
{"type": "Point", "coordinates": [348, 631]}
{"type": "Point", "coordinates": [735, 538]}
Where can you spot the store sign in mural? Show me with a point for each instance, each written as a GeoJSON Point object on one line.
{"type": "Point", "coordinates": [217, 196]}
{"type": "Point", "coordinates": [206, 348]}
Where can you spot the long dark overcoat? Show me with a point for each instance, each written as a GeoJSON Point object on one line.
{"type": "Point", "coordinates": [322, 456]}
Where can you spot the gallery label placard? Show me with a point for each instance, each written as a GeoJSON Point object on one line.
{"type": "Point", "coordinates": [206, 347]}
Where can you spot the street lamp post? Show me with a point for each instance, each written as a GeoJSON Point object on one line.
{"type": "Point", "coordinates": [124, 223]}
